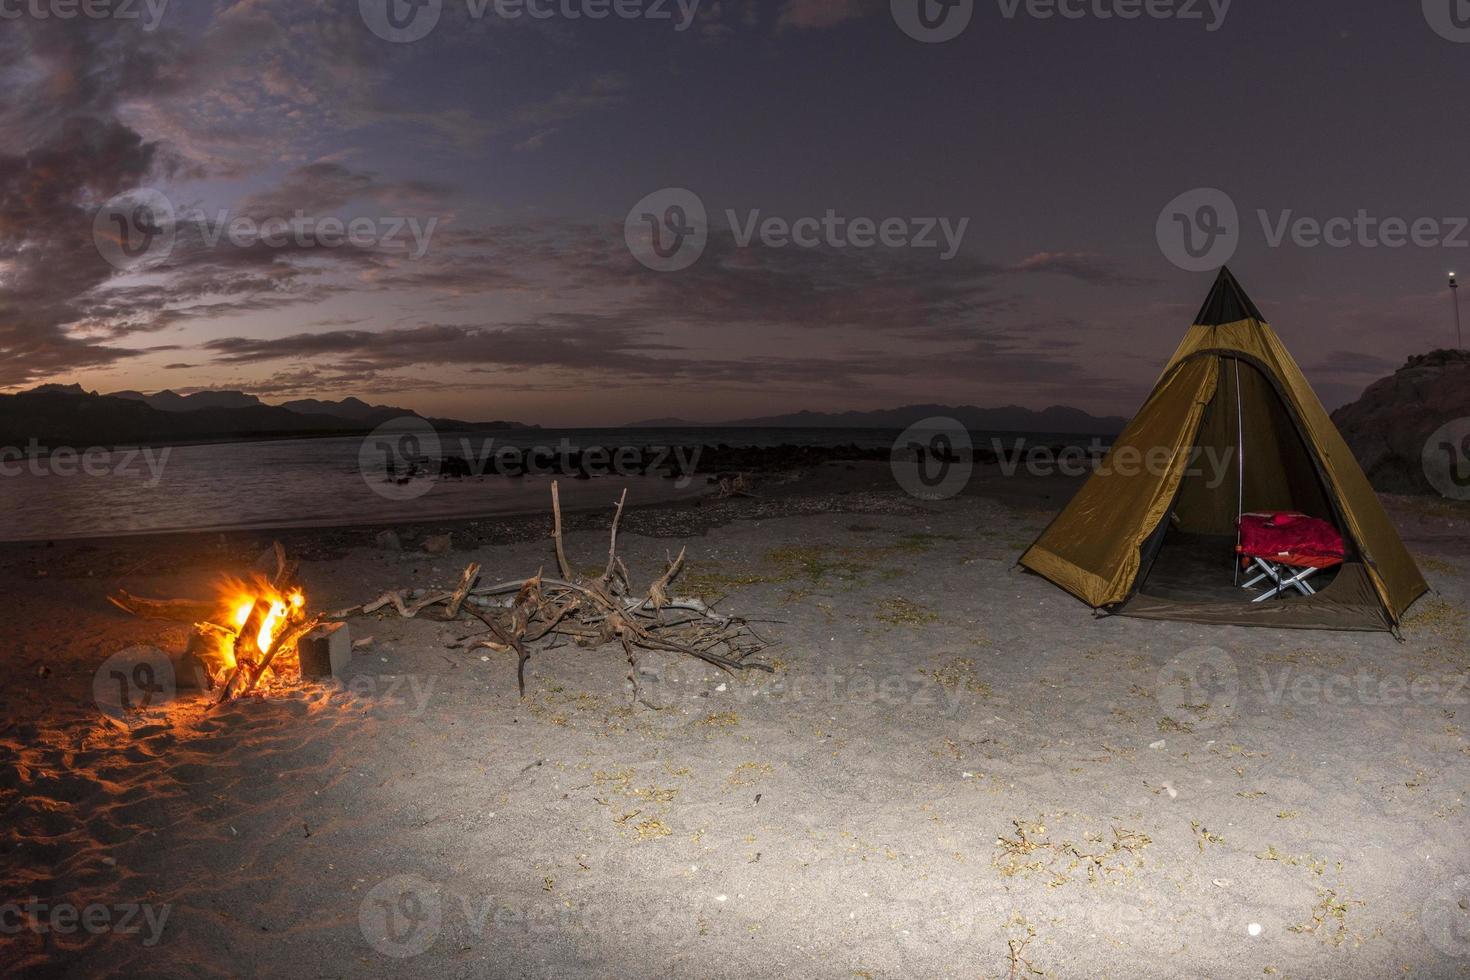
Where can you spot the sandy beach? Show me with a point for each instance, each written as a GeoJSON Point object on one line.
{"type": "Point", "coordinates": [954, 770]}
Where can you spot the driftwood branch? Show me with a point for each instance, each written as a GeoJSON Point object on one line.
{"type": "Point", "coordinates": [466, 582]}
{"type": "Point", "coordinates": [179, 610]}
{"type": "Point", "coordinates": [612, 542]}
{"type": "Point", "coordinates": [590, 613]}
{"type": "Point", "coordinates": [561, 554]}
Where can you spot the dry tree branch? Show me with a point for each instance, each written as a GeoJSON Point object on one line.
{"type": "Point", "coordinates": [561, 555]}
{"type": "Point", "coordinates": [587, 612]}
{"type": "Point", "coordinates": [466, 581]}
{"type": "Point", "coordinates": [612, 542]}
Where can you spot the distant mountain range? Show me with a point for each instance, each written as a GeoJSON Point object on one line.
{"type": "Point", "coordinates": [68, 415]}
{"type": "Point", "coordinates": [354, 409]}
{"type": "Point", "coordinates": [1010, 418]}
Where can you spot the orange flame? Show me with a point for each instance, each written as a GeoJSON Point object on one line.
{"type": "Point", "coordinates": [238, 598]}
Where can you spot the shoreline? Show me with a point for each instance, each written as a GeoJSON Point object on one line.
{"type": "Point", "coordinates": [455, 492]}
{"type": "Point", "coordinates": [832, 487]}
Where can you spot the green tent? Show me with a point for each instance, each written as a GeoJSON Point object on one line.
{"type": "Point", "coordinates": [1152, 531]}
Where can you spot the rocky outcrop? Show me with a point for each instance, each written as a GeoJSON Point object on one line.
{"type": "Point", "coordinates": [1387, 427]}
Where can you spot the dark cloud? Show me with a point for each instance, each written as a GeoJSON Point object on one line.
{"type": "Point", "coordinates": [821, 14]}
{"type": "Point", "coordinates": [325, 187]}
{"type": "Point", "coordinates": [1086, 266]}
{"type": "Point", "coordinates": [1354, 362]}
{"type": "Point", "coordinates": [66, 151]}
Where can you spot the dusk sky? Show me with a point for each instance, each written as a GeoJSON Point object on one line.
{"type": "Point", "coordinates": [526, 142]}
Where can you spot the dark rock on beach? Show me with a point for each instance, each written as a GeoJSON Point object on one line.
{"type": "Point", "coordinates": [1387, 427]}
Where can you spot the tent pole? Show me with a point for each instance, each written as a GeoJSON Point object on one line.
{"type": "Point", "coordinates": [1239, 468]}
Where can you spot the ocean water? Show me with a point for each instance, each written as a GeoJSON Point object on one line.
{"type": "Point", "coordinates": [338, 481]}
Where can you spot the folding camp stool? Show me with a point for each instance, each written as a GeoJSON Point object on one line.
{"type": "Point", "coordinates": [1287, 549]}
{"type": "Point", "coordinates": [1285, 575]}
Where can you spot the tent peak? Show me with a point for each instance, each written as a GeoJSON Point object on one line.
{"type": "Point", "coordinates": [1227, 303]}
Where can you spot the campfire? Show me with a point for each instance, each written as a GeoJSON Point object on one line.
{"type": "Point", "coordinates": [263, 626]}
{"type": "Point", "coordinates": [252, 627]}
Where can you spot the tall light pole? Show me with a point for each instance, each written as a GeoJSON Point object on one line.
{"type": "Point", "coordinates": [1455, 295]}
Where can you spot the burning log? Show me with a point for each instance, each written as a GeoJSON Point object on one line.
{"type": "Point", "coordinates": [284, 642]}
{"type": "Point", "coordinates": [247, 646]}
{"type": "Point", "coordinates": [589, 612]}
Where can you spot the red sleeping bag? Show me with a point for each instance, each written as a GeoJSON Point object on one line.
{"type": "Point", "coordinates": [1291, 539]}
